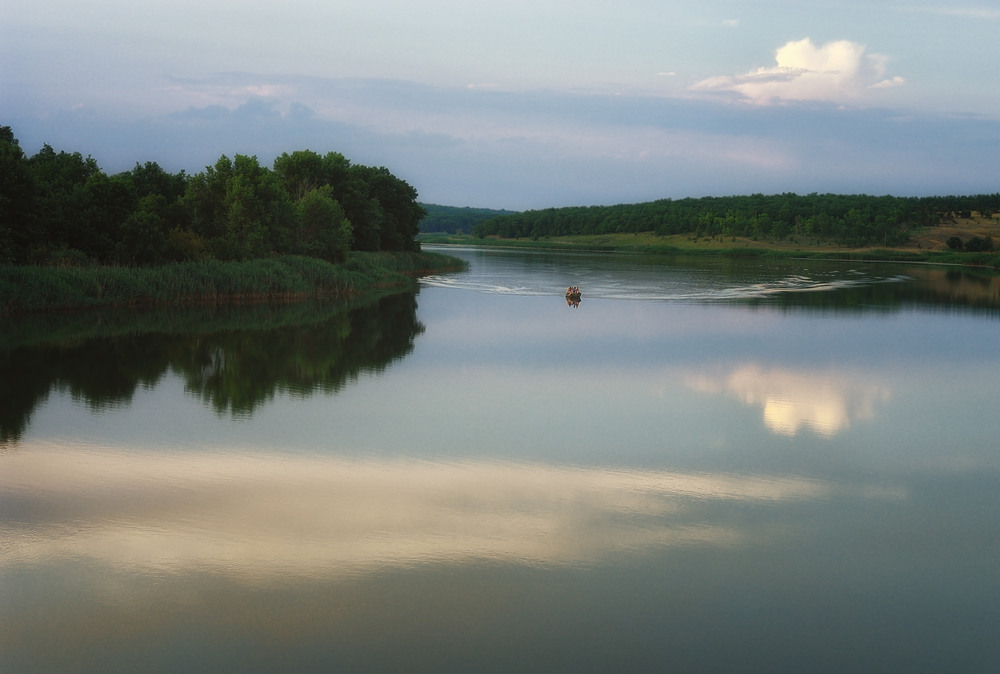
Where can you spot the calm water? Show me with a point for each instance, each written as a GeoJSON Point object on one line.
{"type": "Point", "coordinates": [707, 465]}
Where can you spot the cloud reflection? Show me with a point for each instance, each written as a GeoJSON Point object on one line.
{"type": "Point", "coordinates": [260, 517]}
{"type": "Point", "coordinates": [825, 403]}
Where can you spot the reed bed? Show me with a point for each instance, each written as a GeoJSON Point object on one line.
{"type": "Point", "coordinates": [26, 289]}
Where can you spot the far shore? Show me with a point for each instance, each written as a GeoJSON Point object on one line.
{"type": "Point", "coordinates": [926, 246]}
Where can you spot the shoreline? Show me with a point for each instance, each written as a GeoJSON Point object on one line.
{"type": "Point", "coordinates": [651, 244]}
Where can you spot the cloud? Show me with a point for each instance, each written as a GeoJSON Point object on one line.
{"type": "Point", "coordinates": [896, 81]}
{"type": "Point", "coordinates": [834, 72]}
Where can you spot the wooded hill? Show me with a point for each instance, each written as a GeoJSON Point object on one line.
{"type": "Point", "coordinates": [846, 220]}
{"type": "Point", "coordinates": [456, 220]}
{"type": "Point", "coordinates": [60, 208]}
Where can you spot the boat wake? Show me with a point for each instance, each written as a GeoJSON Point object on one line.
{"type": "Point", "coordinates": [482, 285]}
{"type": "Point", "coordinates": [673, 289]}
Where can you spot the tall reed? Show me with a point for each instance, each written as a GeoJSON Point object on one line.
{"type": "Point", "coordinates": [30, 289]}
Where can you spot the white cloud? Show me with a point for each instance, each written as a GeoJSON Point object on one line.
{"type": "Point", "coordinates": [896, 81]}
{"type": "Point", "coordinates": [836, 72]}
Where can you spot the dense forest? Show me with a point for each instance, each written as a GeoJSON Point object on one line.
{"type": "Point", "coordinates": [847, 220]}
{"type": "Point", "coordinates": [60, 208]}
{"type": "Point", "coordinates": [456, 220]}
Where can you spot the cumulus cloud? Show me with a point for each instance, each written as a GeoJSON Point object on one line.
{"type": "Point", "coordinates": [836, 72]}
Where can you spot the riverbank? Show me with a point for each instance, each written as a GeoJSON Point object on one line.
{"type": "Point", "coordinates": [26, 289]}
{"type": "Point", "coordinates": [687, 244]}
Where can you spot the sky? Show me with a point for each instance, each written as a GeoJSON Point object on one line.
{"type": "Point", "coordinates": [524, 105]}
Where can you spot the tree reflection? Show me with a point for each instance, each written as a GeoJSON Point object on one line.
{"type": "Point", "coordinates": [934, 288]}
{"type": "Point", "coordinates": [232, 359]}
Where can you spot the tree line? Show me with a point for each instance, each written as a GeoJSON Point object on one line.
{"type": "Point", "coordinates": [59, 207]}
{"type": "Point", "coordinates": [848, 220]}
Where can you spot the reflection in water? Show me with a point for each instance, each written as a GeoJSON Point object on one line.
{"type": "Point", "coordinates": [825, 403]}
{"type": "Point", "coordinates": [232, 365]}
{"type": "Point", "coordinates": [546, 494]}
{"type": "Point", "coordinates": [269, 517]}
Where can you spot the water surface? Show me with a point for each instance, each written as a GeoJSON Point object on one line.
{"type": "Point", "coordinates": [710, 465]}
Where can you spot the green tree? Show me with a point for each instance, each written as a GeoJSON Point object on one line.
{"type": "Point", "coordinates": [301, 172]}
{"type": "Point", "coordinates": [144, 238]}
{"type": "Point", "coordinates": [382, 209]}
{"type": "Point", "coordinates": [17, 200]}
{"type": "Point", "coordinates": [205, 200]}
{"type": "Point", "coordinates": [241, 209]}
{"type": "Point", "coordinates": [101, 207]}
{"type": "Point", "coordinates": [150, 178]}
{"type": "Point", "coordinates": [401, 214]}
{"type": "Point", "coordinates": [322, 227]}
{"type": "Point", "coordinates": [59, 179]}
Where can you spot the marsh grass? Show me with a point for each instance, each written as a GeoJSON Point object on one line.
{"type": "Point", "coordinates": [286, 278]}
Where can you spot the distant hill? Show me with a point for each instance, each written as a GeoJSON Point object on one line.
{"type": "Point", "coordinates": [454, 219]}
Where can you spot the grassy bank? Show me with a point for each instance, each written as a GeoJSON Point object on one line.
{"type": "Point", "coordinates": [647, 242]}
{"type": "Point", "coordinates": [25, 289]}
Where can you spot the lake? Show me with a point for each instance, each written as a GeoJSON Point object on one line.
{"type": "Point", "coordinates": [706, 465]}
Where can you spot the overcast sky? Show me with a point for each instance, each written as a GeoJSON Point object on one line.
{"type": "Point", "coordinates": [517, 104]}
